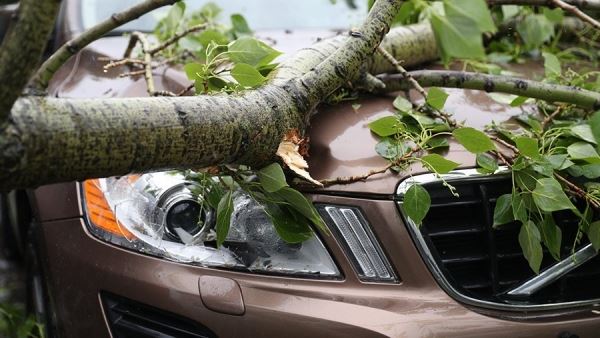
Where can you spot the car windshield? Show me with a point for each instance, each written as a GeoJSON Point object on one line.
{"type": "Point", "coordinates": [260, 14]}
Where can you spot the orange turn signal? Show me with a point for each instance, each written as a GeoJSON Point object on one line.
{"type": "Point", "coordinates": [100, 213]}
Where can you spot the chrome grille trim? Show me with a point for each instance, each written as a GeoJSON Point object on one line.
{"type": "Point", "coordinates": [466, 175]}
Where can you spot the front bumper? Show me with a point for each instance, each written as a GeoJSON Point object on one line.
{"type": "Point", "coordinates": [79, 268]}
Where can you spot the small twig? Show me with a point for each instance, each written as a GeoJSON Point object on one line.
{"type": "Point", "coordinates": [185, 90]}
{"type": "Point", "coordinates": [164, 93]}
{"type": "Point", "coordinates": [414, 83]}
{"type": "Point", "coordinates": [551, 117]}
{"type": "Point", "coordinates": [122, 62]}
{"type": "Point", "coordinates": [352, 179]}
{"type": "Point", "coordinates": [390, 58]}
{"type": "Point", "coordinates": [502, 158]}
{"type": "Point", "coordinates": [578, 191]}
{"type": "Point", "coordinates": [504, 143]}
{"type": "Point", "coordinates": [43, 75]}
{"type": "Point", "coordinates": [133, 73]}
{"type": "Point", "coordinates": [135, 37]}
{"type": "Point", "coordinates": [576, 12]}
{"type": "Point", "coordinates": [176, 38]}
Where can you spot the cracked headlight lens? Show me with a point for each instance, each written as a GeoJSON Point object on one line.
{"type": "Point", "coordinates": [159, 214]}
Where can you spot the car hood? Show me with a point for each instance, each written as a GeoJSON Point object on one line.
{"type": "Point", "coordinates": [340, 141]}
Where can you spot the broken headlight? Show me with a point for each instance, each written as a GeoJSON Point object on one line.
{"type": "Point", "coordinates": [159, 214]}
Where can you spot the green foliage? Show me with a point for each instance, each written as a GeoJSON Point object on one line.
{"type": "Point", "coordinates": [473, 140]}
{"type": "Point", "coordinates": [436, 98]}
{"type": "Point", "coordinates": [530, 241]}
{"type": "Point", "coordinates": [438, 163]}
{"type": "Point", "coordinates": [416, 203]}
{"type": "Point", "coordinates": [15, 323]}
{"type": "Point", "coordinates": [223, 58]}
{"type": "Point", "coordinates": [224, 211]}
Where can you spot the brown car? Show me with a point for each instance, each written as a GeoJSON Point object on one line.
{"type": "Point", "coordinates": [108, 257]}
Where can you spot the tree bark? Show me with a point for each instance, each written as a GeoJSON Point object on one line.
{"type": "Point", "coordinates": [496, 83]}
{"type": "Point", "coordinates": [22, 49]}
{"type": "Point", "coordinates": [52, 139]}
{"type": "Point", "coordinates": [42, 77]}
{"type": "Point", "coordinates": [581, 4]}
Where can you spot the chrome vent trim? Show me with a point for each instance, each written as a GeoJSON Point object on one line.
{"type": "Point", "coordinates": [466, 175]}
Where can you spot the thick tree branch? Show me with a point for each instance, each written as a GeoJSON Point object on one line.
{"type": "Point", "coordinates": [581, 4]}
{"type": "Point", "coordinates": [53, 140]}
{"type": "Point", "coordinates": [495, 83]}
{"type": "Point", "coordinates": [42, 77]}
{"type": "Point", "coordinates": [576, 12]}
{"type": "Point", "coordinates": [22, 49]}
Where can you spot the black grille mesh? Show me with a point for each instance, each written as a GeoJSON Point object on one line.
{"type": "Point", "coordinates": [484, 263]}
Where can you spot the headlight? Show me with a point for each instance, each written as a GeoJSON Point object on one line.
{"type": "Point", "coordinates": [159, 214]}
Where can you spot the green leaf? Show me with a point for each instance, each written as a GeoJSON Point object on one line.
{"type": "Point", "coordinates": [173, 18]}
{"type": "Point", "coordinates": [247, 75]}
{"type": "Point", "coordinates": [555, 15]}
{"type": "Point", "coordinates": [298, 202]}
{"type": "Point", "coordinates": [212, 35]}
{"type": "Point", "coordinates": [584, 132]}
{"type": "Point", "coordinates": [195, 71]}
{"type": "Point", "coordinates": [386, 126]}
{"type": "Point", "coordinates": [487, 163]}
{"type": "Point", "coordinates": [416, 203]}
{"type": "Point", "coordinates": [595, 125]}
{"type": "Point", "coordinates": [438, 142]}
{"type": "Point", "coordinates": [389, 148]}
{"type": "Point", "coordinates": [439, 164]}
{"type": "Point", "coordinates": [528, 147]}
{"type": "Point", "coordinates": [551, 64]}
{"type": "Point", "coordinates": [549, 196]}
{"type": "Point", "coordinates": [402, 104]}
{"type": "Point", "coordinates": [251, 51]}
{"type": "Point", "coordinates": [473, 140]}
{"type": "Point", "coordinates": [290, 228]}
{"type": "Point", "coordinates": [224, 211]}
{"type": "Point", "coordinates": [583, 151]}
{"type": "Point", "coordinates": [535, 30]}
{"type": "Point", "coordinates": [543, 167]}
{"type": "Point", "coordinates": [519, 208]}
{"type": "Point", "coordinates": [458, 39]}
{"type": "Point", "coordinates": [519, 101]}
{"type": "Point", "coordinates": [503, 211]}
{"type": "Point", "coordinates": [591, 171]}
{"type": "Point", "coordinates": [272, 177]}
{"type": "Point", "coordinates": [473, 10]}
{"type": "Point", "coordinates": [529, 239]}
{"type": "Point", "coordinates": [509, 11]}
{"type": "Point", "coordinates": [593, 234]}
{"type": "Point", "coordinates": [239, 25]}
{"type": "Point", "coordinates": [551, 236]}
{"type": "Point", "coordinates": [559, 161]}
{"type": "Point", "coordinates": [436, 98]}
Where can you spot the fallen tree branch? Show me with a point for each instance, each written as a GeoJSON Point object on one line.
{"type": "Point", "coordinates": [39, 82]}
{"type": "Point", "coordinates": [496, 83]}
{"type": "Point", "coordinates": [53, 140]}
{"type": "Point", "coordinates": [22, 49]}
{"type": "Point", "coordinates": [576, 12]}
{"type": "Point", "coordinates": [582, 4]}
{"type": "Point", "coordinates": [177, 37]}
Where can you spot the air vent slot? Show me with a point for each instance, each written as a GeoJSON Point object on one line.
{"type": "Point", "coordinates": [130, 319]}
